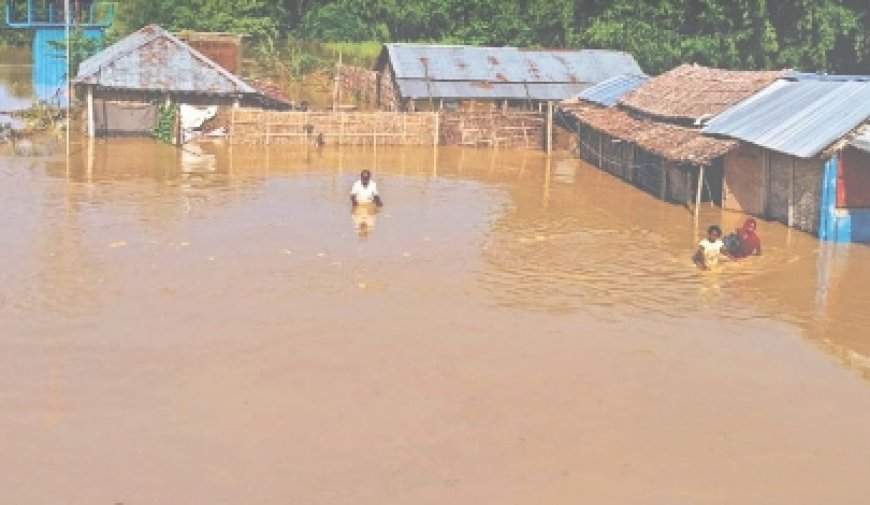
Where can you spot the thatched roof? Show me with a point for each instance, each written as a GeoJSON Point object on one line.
{"type": "Point", "coordinates": [671, 142]}
{"type": "Point", "coordinates": [692, 92]}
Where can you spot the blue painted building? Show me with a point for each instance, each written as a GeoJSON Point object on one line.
{"type": "Point", "coordinates": [804, 157]}
{"type": "Point", "coordinates": [49, 21]}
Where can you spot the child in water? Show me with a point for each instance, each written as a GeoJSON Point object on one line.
{"type": "Point", "coordinates": [710, 249]}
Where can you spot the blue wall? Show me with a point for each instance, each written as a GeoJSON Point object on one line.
{"type": "Point", "coordinates": [840, 225]}
{"type": "Point", "coordinates": [49, 64]}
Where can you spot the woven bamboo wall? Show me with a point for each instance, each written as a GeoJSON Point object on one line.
{"type": "Point", "coordinates": [494, 129]}
{"type": "Point", "coordinates": [254, 126]}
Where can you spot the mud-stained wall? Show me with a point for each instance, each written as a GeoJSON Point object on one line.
{"type": "Point", "coordinates": [492, 129]}
{"type": "Point", "coordinates": [743, 185]}
{"type": "Point", "coordinates": [780, 190]}
{"type": "Point", "coordinates": [357, 86]}
{"type": "Point", "coordinates": [807, 193]}
{"type": "Point", "coordinates": [388, 97]}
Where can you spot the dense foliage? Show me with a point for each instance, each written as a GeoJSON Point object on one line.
{"type": "Point", "coordinates": [812, 35]}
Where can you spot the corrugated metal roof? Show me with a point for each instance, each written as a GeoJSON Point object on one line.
{"type": "Point", "coordinates": [609, 91]}
{"type": "Point", "coordinates": [439, 71]}
{"type": "Point", "coordinates": [417, 89]}
{"type": "Point", "coordinates": [153, 59]}
{"type": "Point", "coordinates": [806, 76]}
{"type": "Point", "coordinates": [797, 117]}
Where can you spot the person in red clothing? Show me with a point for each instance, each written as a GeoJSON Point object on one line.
{"type": "Point", "coordinates": [748, 243]}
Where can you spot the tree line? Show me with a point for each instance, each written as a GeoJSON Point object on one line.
{"type": "Point", "coordinates": [810, 35]}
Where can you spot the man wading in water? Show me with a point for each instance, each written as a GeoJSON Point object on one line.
{"type": "Point", "coordinates": [363, 194]}
{"type": "Point", "coordinates": [365, 191]}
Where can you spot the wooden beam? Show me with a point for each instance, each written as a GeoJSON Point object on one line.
{"type": "Point", "coordinates": [91, 121]}
{"type": "Point", "coordinates": [698, 194]}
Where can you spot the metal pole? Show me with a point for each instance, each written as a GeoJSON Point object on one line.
{"type": "Point", "coordinates": [66, 23]}
{"type": "Point", "coordinates": [549, 128]}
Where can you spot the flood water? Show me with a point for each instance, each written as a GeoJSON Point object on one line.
{"type": "Point", "coordinates": [16, 84]}
{"type": "Point", "coordinates": [213, 326]}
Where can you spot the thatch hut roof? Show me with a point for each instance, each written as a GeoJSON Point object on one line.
{"type": "Point", "coordinates": [671, 142]}
{"type": "Point", "coordinates": [695, 93]}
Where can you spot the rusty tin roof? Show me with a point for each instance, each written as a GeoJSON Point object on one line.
{"type": "Point", "coordinates": [152, 59]}
{"type": "Point", "coordinates": [441, 71]}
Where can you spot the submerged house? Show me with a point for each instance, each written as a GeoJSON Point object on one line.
{"type": "Point", "coordinates": [412, 76]}
{"type": "Point", "coordinates": [804, 155]}
{"type": "Point", "coordinates": [647, 131]}
{"type": "Point", "coordinates": [127, 82]}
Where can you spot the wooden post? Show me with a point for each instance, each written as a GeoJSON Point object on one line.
{"type": "Point", "coordinates": [663, 166]}
{"type": "Point", "coordinates": [698, 193]}
{"type": "Point", "coordinates": [335, 94]}
{"type": "Point", "coordinates": [232, 133]}
{"type": "Point", "coordinates": [600, 150]}
{"type": "Point", "coordinates": [549, 127]}
{"type": "Point", "coordinates": [268, 128]}
{"type": "Point", "coordinates": [437, 128]}
{"type": "Point", "coordinates": [341, 129]}
{"type": "Point", "coordinates": [791, 216]}
{"type": "Point", "coordinates": [91, 121]}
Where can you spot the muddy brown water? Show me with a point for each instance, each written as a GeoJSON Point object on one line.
{"type": "Point", "coordinates": [208, 326]}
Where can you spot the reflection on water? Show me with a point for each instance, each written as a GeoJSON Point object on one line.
{"type": "Point", "coordinates": [512, 322]}
{"type": "Point", "coordinates": [364, 219]}
{"type": "Point", "coordinates": [16, 87]}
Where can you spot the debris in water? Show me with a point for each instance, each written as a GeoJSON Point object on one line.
{"type": "Point", "coordinates": [118, 243]}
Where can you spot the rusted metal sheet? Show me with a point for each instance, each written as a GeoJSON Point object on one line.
{"type": "Point", "coordinates": [153, 59]}
{"type": "Point", "coordinates": [457, 72]}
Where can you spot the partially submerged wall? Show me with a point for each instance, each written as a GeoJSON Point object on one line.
{"type": "Point", "coordinates": [255, 126]}
{"type": "Point", "coordinates": [743, 185]}
{"type": "Point", "coordinates": [492, 129]}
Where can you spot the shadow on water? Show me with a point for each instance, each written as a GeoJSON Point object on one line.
{"type": "Point", "coordinates": [516, 230]}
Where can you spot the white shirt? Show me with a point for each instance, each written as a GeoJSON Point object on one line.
{"type": "Point", "coordinates": [364, 194]}
{"type": "Point", "coordinates": [712, 250]}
